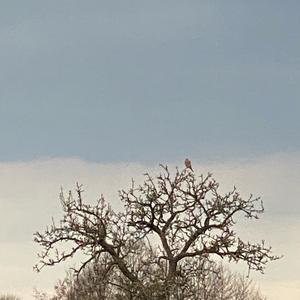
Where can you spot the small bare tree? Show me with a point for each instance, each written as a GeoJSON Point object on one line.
{"type": "Point", "coordinates": [186, 215]}
{"type": "Point", "coordinates": [9, 297]}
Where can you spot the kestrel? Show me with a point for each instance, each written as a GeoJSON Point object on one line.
{"type": "Point", "coordinates": [188, 164]}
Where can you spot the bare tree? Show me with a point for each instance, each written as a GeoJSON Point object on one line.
{"type": "Point", "coordinates": [210, 281]}
{"type": "Point", "coordinates": [93, 282]}
{"type": "Point", "coordinates": [186, 215]}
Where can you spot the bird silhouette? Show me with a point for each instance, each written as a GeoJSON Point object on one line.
{"type": "Point", "coordinates": [188, 164]}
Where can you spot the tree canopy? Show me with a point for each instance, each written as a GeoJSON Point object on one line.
{"type": "Point", "coordinates": [181, 218]}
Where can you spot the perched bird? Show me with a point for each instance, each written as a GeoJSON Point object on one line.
{"type": "Point", "coordinates": [188, 164]}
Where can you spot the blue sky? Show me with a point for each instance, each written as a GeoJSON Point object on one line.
{"type": "Point", "coordinates": [148, 81]}
{"type": "Point", "coordinates": [101, 91]}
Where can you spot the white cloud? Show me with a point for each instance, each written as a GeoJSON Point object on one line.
{"type": "Point", "coordinates": [29, 197]}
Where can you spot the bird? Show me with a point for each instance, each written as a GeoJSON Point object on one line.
{"type": "Point", "coordinates": [188, 164]}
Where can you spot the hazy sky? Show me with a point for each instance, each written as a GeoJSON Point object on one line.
{"type": "Point", "coordinates": [148, 80]}
{"type": "Point", "coordinates": [126, 85]}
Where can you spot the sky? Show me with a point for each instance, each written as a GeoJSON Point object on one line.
{"type": "Point", "coordinates": [101, 91]}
